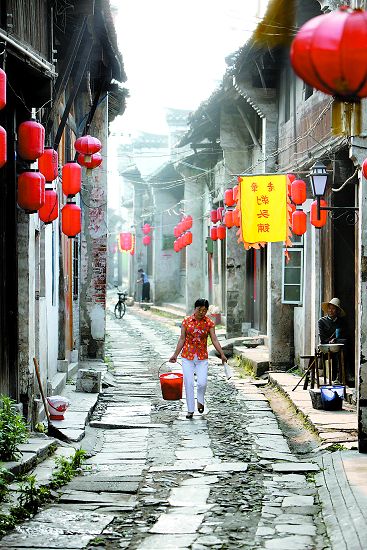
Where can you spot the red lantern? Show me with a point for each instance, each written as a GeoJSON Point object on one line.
{"type": "Point", "coordinates": [185, 239]}
{"type": "Point", "coordinates": [329, 53]}
{"type": "Point", "coordinates": [31, 140]}
{"type": "Point", "coordinates": [323, 214]}
{"type": "Point", "coordinates": [291, 178]}
{"type": "Point", "coordinates": [189, 222]}
{"type": "Point", "coordinates": [2, 89]}
{"type": "Point", "coordinates": [213, 233]}
{"type": "Point", "coordinates": [90, 162]}
{"type": "Point", "coordinates": [126, 241]}
{"type": "Point", "coordinates": [87, 145]}
{"type": "Point", "coordinates": [3, 148]}
{"type": "Point", "coordinates": [228, 197]}
{"type": "Point", "coordinates": [147, 240]}
{"type": "Point", "coordinates": [213, 216]}
{"type": "Point", "coordinates": [364, 169]}
{"type": "Point", "coordinates": [180, 228]}
{"type": "Point", "coordinates": [180, 242]}
{"type": "Point", "coordinates": [146, 228]}
{"type": "Point", "coordinates": [71, 179]}
{"type": "Point", "coordinates": [189, 237]}
{"type": "Point", "coordinates": [298, 192]}
{"type": "Point", "coordinates": [228, 219]}
{"type": "Point", "coordinates": [71, 219]}
{"type": "Point", "coordinates": [235, 193]}
{"type": "Point", "coordinates": [220, 213]}
{"type": "Point", "coordinates": [176, 246]}
{"type": "Point", "coordinates": [48, 164]}
{"type": "Point", "coordinates": [221, 232]}
{"type": "Point", "coordinates": [299, 222]}
{"type": "Point", "coordinates": [31, 191]}
{"type": "Point", "coordinates": [176, 231]}
{"type": "Point", "coordinates": [50, 210]}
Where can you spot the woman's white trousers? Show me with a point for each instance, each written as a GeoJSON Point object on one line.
{"type": "Point", "coordinates": [189, 368]}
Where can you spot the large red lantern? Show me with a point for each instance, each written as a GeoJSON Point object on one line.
{"type": "Point", "coordinates": [235, 190]}
{"type": "Point", "coordinates": [236, 216]}
{"type": "Point", "coordinates": [189, 237]}
{"type": "Point", "coordinates": [50, 210]}
{"type": "Point", "coordinates": [189, 222]}
{"type": "Point", "coordinates": [221, 232]}
{"type": "Point", "coordinates": [299, 222]}
{"type": "Point", "coordinates": [323, 214]}
{"type": "Point", "coordinates": [146, 240]}
{"type": "Point", "coordinates": [176, 232]}
{"type": "Point", "coordinates": [48, 164]}
{"type": "Point", "coordinates": [71, 179]}
{"type": "Point", "coordinates": [228, 219]}
{"type": "Point", "coordinates": [90, 162]}
{"type": "Point", "coordinates": [298, 192]}
{"type": "Point", "coordinates": [87, 145]}
{"type": "Point", "coordinates": [3, 149]}
{"type": "Point", "coordinates": [176, 246]}
{"type": "Point", "coordinates": [146, 228]}
{"type": "Point", "coordinates": [31, 140]}
{"type": "Point", "coordinates": [2, 89]}
{"type": "Point", "coordinates": [329, 53]}
{"type": "Point", "coordinates": [214, 216]}
{"type": "Point", "coordinates": [31, 191]}
{"type": "Point", "coordinates": [214, 233]}
{"type": "Point", "coordinates": [126, 241]}
{"type": "Point", "coordinates": [71, 219]}
{"type": "Point", "coordinates": [228, 197]}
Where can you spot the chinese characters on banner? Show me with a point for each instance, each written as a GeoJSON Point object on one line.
{"type": "Point", "coordinates": [264, 216]}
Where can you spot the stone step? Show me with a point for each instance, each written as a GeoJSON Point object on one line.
{"type": "Point", "coordinates": [36, 450]}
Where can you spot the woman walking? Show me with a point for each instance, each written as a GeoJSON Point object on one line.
{"type": "Point", "coordinates": [195, 330]}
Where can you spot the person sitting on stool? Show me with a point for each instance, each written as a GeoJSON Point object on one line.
{"type": "Point", "coordinates": [332, 328]}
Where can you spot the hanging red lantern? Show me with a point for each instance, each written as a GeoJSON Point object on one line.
{"type": "Point", "coordinates": [88, 146]}
{"type": "Point", "coordinates": [90, 162]}
{"type": "Point", "coordinates": [235, 193]}
{"type": "Point", "coordinates": [31, 191]}
{"type": "Point", "coordinates": [364, 169]}
{"type": "Point", "coordinates": [213, 216]}
{"type": "Point", "coordinates": [125, 241]}
{"type": "Point", "coordinates": [3, 147]}
{"type": "Point", "coordinates": [2, 89]}
{"type": "Point", "coordinates": [48, 164]}
{"type": "Point", "coordinates": [180, 228]}
{"type": "Point", "coordinates": [71, 179]}
{"type": "Point", "coordinates": [299, 222]}
{"type": "Point", "coordinates": [323, 214]}
{"type": "Point", "coordinates": [213, 233]}
{"type": "Point", "coordinates": [49, 211]}
{"type": "Point", "coordinates": [228, 219]}
{"type": "Point", "coordinates": [185, 239]}
{"type": "Point", "coordinates": [298, 191]}
{"type": "Point", "coordinates": [290, 180]}
{"type": "Point", "coordinates": [146, 228]}
{"type": "Point", "coordinates": [189, 237]}
{"type": "Point", "coordinates": [220, 213]}
{"type": "Point", "coordinates": [221, 232]}
{"type": "Point", "coordinates": [228, 197]}
{"type": "Point", "coordinates": [329, 53]}
{"type": "Point", "coordinates": [180, 242]}
{"type": "Point", "coordinates": [176, 232]}
{"type": "Point", "coordinates": [71, 219]}
{"type": "Point", "coordinates": [146, 240]}
{"type": "Point", "coordinates": [31, 140]}
{"type": "Point", "coordinates": [176, 246]}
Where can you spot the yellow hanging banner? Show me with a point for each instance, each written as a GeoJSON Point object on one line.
{"type": "Point", "coordinates": [264, 214]}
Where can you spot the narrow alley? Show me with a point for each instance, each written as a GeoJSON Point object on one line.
{"type": "Point", "coordinates": [226, 479]}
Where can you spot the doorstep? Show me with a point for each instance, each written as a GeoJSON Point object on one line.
{"type": "Point", "coordinates": [257, 358]}
{"type": "Point", "coordinates": [37, 449]}
{"type": "Point", "coordinates": [331, 426]}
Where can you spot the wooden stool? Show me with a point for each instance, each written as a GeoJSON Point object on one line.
{"type": "Point", "coordinates": [327, 356]}
{"type": "Point", "coordinates": [311, 374]}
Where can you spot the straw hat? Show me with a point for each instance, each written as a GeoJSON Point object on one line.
{"type": "Point", "coordinates": [334, 302]}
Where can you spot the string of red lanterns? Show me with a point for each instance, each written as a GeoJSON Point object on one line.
{"type": "Point", "coordinates": [182, 233]}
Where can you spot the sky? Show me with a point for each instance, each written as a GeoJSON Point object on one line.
{"type": "Point", "coordinates": [174, 53]}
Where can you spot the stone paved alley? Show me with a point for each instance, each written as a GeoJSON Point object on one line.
{"type": "Point", "coordinates": [156, 480]}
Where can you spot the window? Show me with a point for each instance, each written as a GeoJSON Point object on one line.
{"type": "Point", "coordinates": [292, 287]}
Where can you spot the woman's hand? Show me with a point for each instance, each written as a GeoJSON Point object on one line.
{"type": "Point", "coordinates": [224, 358]}
{"type": "Point", "coordinates": [173, 359]}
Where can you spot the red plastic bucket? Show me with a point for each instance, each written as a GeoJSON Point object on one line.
{"type": "Point", "coordinates": [171, 385]}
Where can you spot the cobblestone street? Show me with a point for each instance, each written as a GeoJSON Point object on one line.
{"type": "Point", "coordinates": [155, 480]}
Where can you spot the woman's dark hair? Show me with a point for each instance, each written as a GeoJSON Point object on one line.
{"type": "Point", "coordinates": [201, 302]}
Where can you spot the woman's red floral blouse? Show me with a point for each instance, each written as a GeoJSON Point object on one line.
{"type": "Point", "coordinates": [196, 337]}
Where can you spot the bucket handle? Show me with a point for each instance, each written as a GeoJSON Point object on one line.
{"type": "Point", "coordinates": [164, 362]}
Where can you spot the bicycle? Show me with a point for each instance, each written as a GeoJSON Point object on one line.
{"type": "Point", "coordinates": [120, 307]}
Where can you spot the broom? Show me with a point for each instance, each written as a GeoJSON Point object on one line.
{"type": "Point", "coordinates": [51, 430]}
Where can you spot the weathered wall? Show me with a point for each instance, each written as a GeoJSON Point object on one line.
{"type": "Point", "coordinates": [94, 248]}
